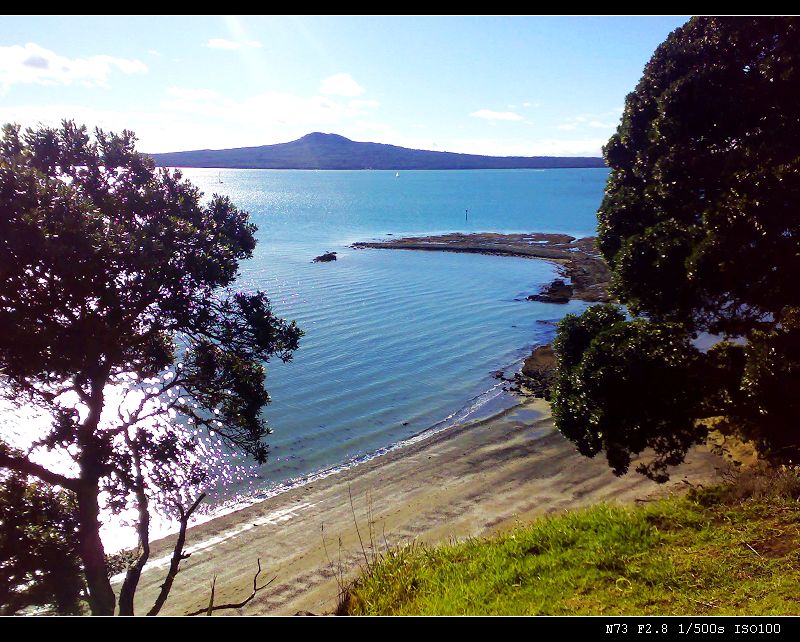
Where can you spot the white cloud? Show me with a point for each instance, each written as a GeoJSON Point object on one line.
{"type": "Point", "coordinates": [341, 85]}
{"type": "Point", "coordinates": [222, 43]}
{"type": "Point", "coordinates": [364, 104]}
{"type": "Point", "coordinates": [595, 121]}
{"type": "Point", "coordinates": [270, 117]}
{"type": "Point", "coordinates": [154, 52]}
{"type": "Point", "coordinates": [559, 147]}
{"type": "Point", "coordinates": [372, 126]}
{"type": "Point", "coordinates": [32, 64]}
{"type": "Point", "coordinates": [267, 108]}
{"type": "Point", "coordinates": [488, 114]}
{"type": "Point", "coordinates": [184, 93]}
{"type": "Point", "coordinates": [151, 125]}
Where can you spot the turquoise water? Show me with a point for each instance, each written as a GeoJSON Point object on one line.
{"type": "Point", "coordinates": [396, 342]}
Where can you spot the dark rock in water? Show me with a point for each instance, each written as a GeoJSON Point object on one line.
{"type": "Point", "coordinates": [541, 361]}
{"type": "Point", "coordinates": [557, 292]}
{"type": "Point", "coordinates": [538, 373]}
{"type": "Point", "coordinates": [324, 258]}
{"type": "Point", "coordinates": [497, 374]}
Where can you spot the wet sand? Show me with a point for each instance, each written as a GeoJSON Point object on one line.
{"type": "Point", "coordinates": [467, 481]}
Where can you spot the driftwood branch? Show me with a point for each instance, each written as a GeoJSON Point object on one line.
{"type": "Point", "coordinates": [211, 599]}
{"type": "Point", "coordinates": [177, 555]}
{"type": "Point", "coordinates": [238, 605]}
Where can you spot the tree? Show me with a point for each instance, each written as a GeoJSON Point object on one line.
{"type": "Point", "coordinates": [700, 227]}
{"type": "Point", "coordinates": [39, 560]}
{"type": "Point", "coordinates": [625, 386]}
{"type": "Point", "coordinates": [118, 320]}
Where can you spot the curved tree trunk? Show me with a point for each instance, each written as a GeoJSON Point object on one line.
{"type": "Point", "coordinates": [128, 590]}
{"type": "Point", "coordinates": [101, 596]}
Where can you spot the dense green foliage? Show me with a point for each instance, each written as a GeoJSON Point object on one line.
{"type": "Point", "coordinates": [711, 553]}
{"type": "Point", "coordinates": [700, 225]}
{"type": "Point", "coordinates": [118, 322]}
{"type": "Point", "coordinates": [700, 218]}
{"type": "Point", "coordinates": [39, 560]}
{"type": "Point", "coordinates": [642, 380]}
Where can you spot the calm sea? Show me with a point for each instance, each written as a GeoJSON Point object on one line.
{"type": "Point", "coordinates": [396, 342]}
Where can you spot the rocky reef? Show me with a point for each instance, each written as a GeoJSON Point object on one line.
{"type": "Point", "coordinates": [325, 258]}
{"type": "Point", "coordinates": [578, 260]}
{"type": "Point", "coordinates": [557, 292]}
{"type": "Point", "coordinates": [538, 373]}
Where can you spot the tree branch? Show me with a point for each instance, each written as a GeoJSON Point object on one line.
{"type": "Point", "coordinates": [177, 556]}
{"type": "Point", "coordinates": [23, 465]}
{"type": "Point", "coordinates": [238, 605]}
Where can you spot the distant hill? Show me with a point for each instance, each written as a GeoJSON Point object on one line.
{"type": "Point", "coordinates": [331, 151]}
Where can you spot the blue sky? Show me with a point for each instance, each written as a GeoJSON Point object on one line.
{"type": "Point", "coordinates": [511, 85]}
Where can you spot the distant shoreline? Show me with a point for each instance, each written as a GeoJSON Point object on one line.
{"type": "Point", "coordinates": [380, 169]}
{"type": "Point", "coordinates": [334, 152]}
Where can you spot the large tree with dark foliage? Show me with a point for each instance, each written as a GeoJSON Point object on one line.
{"type": "Point", "coordinates": [117, 320]}
{"type": "Point", "coordinates": [39, 560]}
{"type": "Point", "coordinates": [701, 226]}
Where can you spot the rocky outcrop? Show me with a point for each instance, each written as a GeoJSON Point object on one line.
{"type": "Point", "coordinates": [538, 373]}
{"type": "Point", "coordinates": [577, 259]}
{"type": "Point", "coordinates": [557, 292]}
{"type": "Point", "coordinates": [324, 258]}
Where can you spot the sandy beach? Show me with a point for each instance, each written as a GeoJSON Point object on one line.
{"type": "Point", "coordinates": [467, 481]}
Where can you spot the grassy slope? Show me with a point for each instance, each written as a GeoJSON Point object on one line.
{"type": "Point", "coordinates": [707, 554]}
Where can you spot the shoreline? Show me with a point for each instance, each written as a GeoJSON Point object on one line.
{"type": "Point", "coordinates": [469, 480]}
{"type": "Point", "coordinates": [510, 398]}
{"type": "Point", "coordinates": [429, 487]}
{"type": "Point", "coordinates": [577, 259]}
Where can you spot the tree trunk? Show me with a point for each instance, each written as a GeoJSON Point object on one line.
{"type": "Point", "coordinates": [128, 590]}
{"type": "Point", "coordinates": [101, 596]}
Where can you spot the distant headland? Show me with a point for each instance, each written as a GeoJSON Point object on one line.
{"type": "Point", "coordinates": [331, 151]}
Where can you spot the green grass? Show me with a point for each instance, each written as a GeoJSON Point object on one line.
{"type": "Point", "coordinates": [709, 553]}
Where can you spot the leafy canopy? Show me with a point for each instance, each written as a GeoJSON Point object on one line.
{"type": "Point", "coordinates": [699, 221]}
{"type": "Point", "coordinates": [700, 227]}
{"type": "Point", "coordinates": [117, 319]}
{"type": "Point", "coordinates": [39, 563]}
